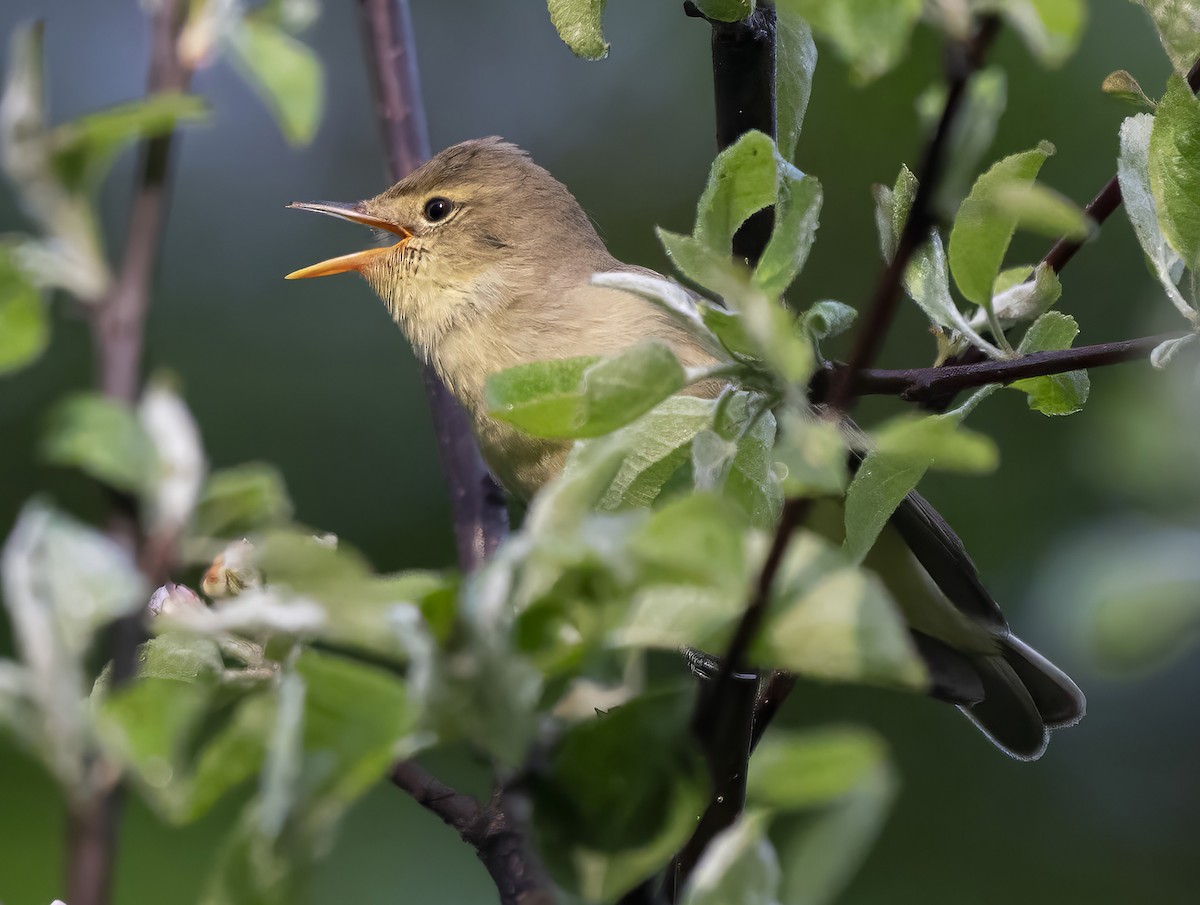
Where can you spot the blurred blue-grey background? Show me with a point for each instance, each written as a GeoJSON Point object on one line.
{"type": "Point", "coordinates": [314, 378]}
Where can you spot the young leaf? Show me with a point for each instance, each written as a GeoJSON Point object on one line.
{"type": "Point", "coordinates": [1174, 167]}
{"type": "Point", "coordinates": [586, 396]}
{"type": "Point", "coordinates": [1165, 352]}
{"type": "Point", "coordinates": [909, 448]}
{"type": "Point", "coordinates": [739, 866]}
{"type": "Point", "coordinates": [827, 319]}
{"type": "Point", "coordinates": [871, 35]}
{"type": "Point", "coordinates": [973, 130]}
{"type": "Point", "coordinates": [103, 438]}
{"type": "Point", "coordinates": [797, 212]}
{"type": "Point", "coordinates": [1019, 299]}
{"type": "Point", "coordinates": [71, 256]}
{"type": "Point", "coordinates": [578, 24]}
{"type": "Point", "coordinates": [1121, 84]}
{"type": "Point", "coordinates": [638, 754]}
{"type": "Point", "coordinates": [285, 73]}
{"type": "Point", "coordinates": [981, 234]}
{"type": "Point", "coordinates": [1055, 394]}
{"type": "Point", "coordinates": [811, 769]}
{"type": "Point", "coordinates": [743, 180]}
{"type": "Point", "coordinates": [833, 621]}
{"type": "Point", "coordinates": [814, 453]}
{"type": "Point", "coordinates": [237, 501]}
{"type": "Point", "coordinates": [1175, 21]}
{"type": "Point", "coordinates": [24, 327]}
{"type": "Point", "coordinates": [1051, 29]}
{"type": "Point", "coordinates": [174, 485]}
{"type": "Point", "coordinates": [1039, 209]}
{"type": "Point", "coordinates": [795, 62]}
{"type": "Point", "coordinates": [1133, 173]}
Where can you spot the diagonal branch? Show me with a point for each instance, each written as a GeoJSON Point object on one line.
{"type": "Point", "coordinates": [920, 384]}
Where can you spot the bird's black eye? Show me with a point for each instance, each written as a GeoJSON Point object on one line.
{"type": "Point", "coordinates": [438, 209]}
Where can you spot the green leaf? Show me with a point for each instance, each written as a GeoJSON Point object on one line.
{"type": "Point", "coordinates": [799, 770]}
{"type": "Point", "coordinates": [981, 234]}
{"type": "Point", "coordinates": [928, 284]}
{"type": "Point", "coordinates": [752, 481]}
{"type": "Point", "coordinates": [103, 438]}
{"type": "Point", "coordinates": [84, 148]}
{"type": "Point", "coordinates": [814, 453]}
{"type": "Point", "coordinates": [972, 132]}
{"type": "Point", "coordinates": [61, 582]}
{"type": "Point", "coordinates": [1051, 29]}
{"type": "Point", "coordinates": [821, 855]}
{"type": "Point", "coordinates": [871, 35]}
{"type": "Point", "coordinates": [826, 319]}
{"type": "Point", "coordinates": [743, 180]}
{"type": "Point", "coordinates": [704, 266]}
{"type": "Point", "coordinates": [1133, 174]}
{"type": "Point", "coordinates": [1174, 167]}
{"type": "Point", "coordinates": [240, 500]}
{"type": "Point", "coordinates": [24, 327]}
{"type": "Point", "coordinates": [578, 24]}
{"type": "Point", "coordinates": [696, 539]}
{"type": "Point", "coordinates": [1055, 394]}
{"type": "Point", "coordinates": [1175, 21]}
{"type": "Point", "coordinates": [726, 10]}
{"type": "Point", "coordinates": [738, 866]}
{"type": "Point", "coordinates": [834, 621]}
{"type": "Point", "coordinates": [174, 486]}
{"type": "Point", "coordinates": [656, 446]}
{"type": "Point", "coordinates": [795, 62]}
{"type": "Point", "coordinates": [908, 447]}
{"type": "Point", "coordinates": [1122, 85]}
{"type": "Point", "coordinates": [285, 73]}
{"type": "Point", "coordinates": [70, 255]}
{"type": "Point", "coordinates": [1042, 210]}
{"type": "Point", "coordinates": [1019, 299]}
{"type": "Point", "coordinates": [891, 210]}
{"type": "Point", "coordinates": [797, 212]}
{"type": "Point", "coordinates": [638, 754]}
{"type": "Point", "coordinates": [585, 397]}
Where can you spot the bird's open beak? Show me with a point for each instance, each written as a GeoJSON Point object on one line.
{"type": "Point", "coordinates": [359, 259]}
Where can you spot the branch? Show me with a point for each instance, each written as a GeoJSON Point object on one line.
{"type": "Point", "coordinates": [496, 832]}
{"type": "Point", "coordinates": [480, 515]}
{"type": "Point", "coordinates": [743, 56]}
{"type": "Point", "coordinates": [964, 60]}
{"type": "Point", "coordinates": [921, 384]}
{"type": "Point", "coordinates": [1100, 208]}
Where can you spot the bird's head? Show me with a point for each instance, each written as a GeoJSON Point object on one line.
{"type": "Point", "coordinates": [478, 211]}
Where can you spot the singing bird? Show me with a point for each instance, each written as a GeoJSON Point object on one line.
{"type": "Point", "coordinates": [489, 265]}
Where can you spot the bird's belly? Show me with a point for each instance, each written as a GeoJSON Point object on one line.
{"type": "Point", "coordinates": [521, 463]}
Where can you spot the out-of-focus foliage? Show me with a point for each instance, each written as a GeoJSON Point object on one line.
{"type": "Point", "coordinates": [302, 673]}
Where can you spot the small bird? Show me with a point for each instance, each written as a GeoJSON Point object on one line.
{"type": "Point", "coordinates": [492, 268]}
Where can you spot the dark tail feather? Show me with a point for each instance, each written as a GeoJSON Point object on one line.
{"type": "Point", "coordinates": [1024, 696]}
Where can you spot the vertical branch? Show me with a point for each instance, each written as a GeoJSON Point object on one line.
{"type": "Point", "coordinates": [480, 516]}
{"type": "Point", "coordinates": [498, 832]}
{"type": "Point", "coordinates": [743, 55]}
{"type": "Point", "coordinates": [118, 326]}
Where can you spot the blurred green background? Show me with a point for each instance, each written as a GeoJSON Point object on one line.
{"type": "Point", "coordinates": [314, 378]}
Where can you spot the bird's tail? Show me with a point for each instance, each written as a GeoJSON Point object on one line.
{"type": "Point", "coordinates": [1024, 696]}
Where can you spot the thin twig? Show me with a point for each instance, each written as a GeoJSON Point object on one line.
{"type": "Point", "coordinates": [480, 515]}
{"type": "Point", "coordinates": [118, 324]}
{"type": "Point", "coordinates": [1099, 209]}
{"type": "Point", "coordinates": [965, 60]}
{"type": "Point", "coordinates": [920, 384]}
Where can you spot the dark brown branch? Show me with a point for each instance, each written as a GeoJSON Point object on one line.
{"type": "Point", "coordinates": [743, 55]}
{"type": "Point", "coordinates": [480, 515]}
{"type": "Point", "coordinates": [118, 324]}
{"type": "Point", "coordinates": [964, 61]}
{"type": "Point", "coordinates": [497, 832]}
{"type": "Point", "coordinates": [919, 384]}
